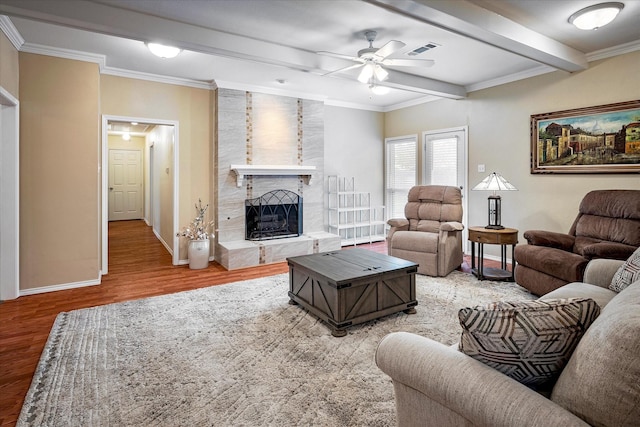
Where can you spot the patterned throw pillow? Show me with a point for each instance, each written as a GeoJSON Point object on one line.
{"type": "Point", "coordinates": [529, 341]}
{"type": "Point", "coordinates": [628, 273]}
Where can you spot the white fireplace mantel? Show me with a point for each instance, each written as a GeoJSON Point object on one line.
{"type": "Point", "coordinates": [271, 170]}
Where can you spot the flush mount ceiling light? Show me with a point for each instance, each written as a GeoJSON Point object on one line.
{"type": "Point", "coordinates": [163, 51]}
{"type": "Point", "coordinates": [596, 16]}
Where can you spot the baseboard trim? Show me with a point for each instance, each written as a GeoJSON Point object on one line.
{"type": "Point", "coordinates": [61, 287]}
{"type": "Point", "coordinates": [163, 242]}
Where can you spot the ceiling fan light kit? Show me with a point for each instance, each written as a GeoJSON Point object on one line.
{"type": "Point", "coordinates": [373, 62]}
{"type": "Point", "coordinates": [378, 90]}
{"type": "Point", "coordinates": [596, 16]}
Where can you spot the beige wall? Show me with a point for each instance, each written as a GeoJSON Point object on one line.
{"type": "Point", "coordinates": [192, 108]}
{"type": "Point", "coordinates": [498, 120]}
{"type": "Point", "coordinates": [59, 181]}
{"type": "Point", "coordinates": [8, 66]}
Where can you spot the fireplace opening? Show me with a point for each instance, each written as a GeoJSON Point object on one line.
{"type": "Point", "coordinates": [274, 215]}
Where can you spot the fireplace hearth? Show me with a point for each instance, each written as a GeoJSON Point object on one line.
{"type": "Point", "coordinates": [274, 215]}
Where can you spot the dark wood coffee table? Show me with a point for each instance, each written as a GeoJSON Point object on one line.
{"type": "Point", "coordinates": [352, 286]}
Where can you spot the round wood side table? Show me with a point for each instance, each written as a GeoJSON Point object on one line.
{"type": "Point", "coordinates": [503, 237]}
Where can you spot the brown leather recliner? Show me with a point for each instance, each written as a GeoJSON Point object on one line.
{"type": "Point", "coordinates": [431, 233]}
{"type": "Point", "coordinates": [607, 226]}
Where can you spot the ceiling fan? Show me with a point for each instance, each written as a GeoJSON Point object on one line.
{"type": "Point", "coordinates": [373, 59]}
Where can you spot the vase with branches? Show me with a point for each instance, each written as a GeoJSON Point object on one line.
{"type": "Point", "coordinates": [198, 232]}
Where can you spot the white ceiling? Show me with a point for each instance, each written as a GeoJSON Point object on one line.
{"type": "Point", "coordinates": [251, 44]}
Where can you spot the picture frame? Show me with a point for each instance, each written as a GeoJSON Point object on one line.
{"type": "Point", "coordinates": [599, 139]}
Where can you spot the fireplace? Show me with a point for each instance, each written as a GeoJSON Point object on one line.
{"type": "Point", "coordinates": [274, 215]}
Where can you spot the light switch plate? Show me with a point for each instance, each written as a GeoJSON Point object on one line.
{"type": "Point", "coordinates": [480, 168]}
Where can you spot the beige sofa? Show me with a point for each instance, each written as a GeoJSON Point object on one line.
{"type": "Point", "coordinates": [437, 385]}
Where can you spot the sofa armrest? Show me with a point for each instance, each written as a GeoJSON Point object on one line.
{"type": "Point", "coordinates": [399, 223]}
{"type": "Point", "coordinates": [600, 271]}
{"type": "Point", "coordinates": [455, 389]}
{"type": "Point", "coordinates": [612, 250]}
{"type": "Point", "coordinates": [451, 226]}
{"type": "Point", "coordinates": [550, 239]}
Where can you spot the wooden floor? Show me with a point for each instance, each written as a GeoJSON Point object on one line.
{"type": "Point", "coordinates": [139, 267]}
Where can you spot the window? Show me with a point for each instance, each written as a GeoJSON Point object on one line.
{"type": "Point", "coordinates": [400, 165]}
{"type": "Point", "coordinates": [444, 157]}
{"type": "Point", "coordinates": [441, 161]}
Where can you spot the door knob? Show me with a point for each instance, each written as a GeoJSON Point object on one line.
{"type": "Point", "coordinates": [110, 188]}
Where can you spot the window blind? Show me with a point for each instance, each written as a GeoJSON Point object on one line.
{"type": "Point", "coordinates": [442, 161]}
{"type": "Point", "coordinates": [400, 174]}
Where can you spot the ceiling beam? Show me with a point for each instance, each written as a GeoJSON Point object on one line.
{"type": "Point", "coordinates": [469, 20]}
{"type": "Point", "coordinates": [413, 83]}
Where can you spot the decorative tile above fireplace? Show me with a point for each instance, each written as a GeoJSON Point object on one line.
{"type": "Point", "coordinates": [266, 143]}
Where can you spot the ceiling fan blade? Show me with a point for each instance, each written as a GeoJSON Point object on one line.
{"type": "Point", "coordinates": [339, 55]}
{"type": "Point", "coordinates": [350, 67]}
{"type": "Point", "coordinates": [389, 48]}
{"type": "Point", "coordinates": [409, 62]}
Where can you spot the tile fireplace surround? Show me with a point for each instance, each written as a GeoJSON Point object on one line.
{"type": "Point", "coordinates": [282, 141]}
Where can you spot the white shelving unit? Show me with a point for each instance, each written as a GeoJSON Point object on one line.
{"type": "Point", "coordinates": [351, 215]}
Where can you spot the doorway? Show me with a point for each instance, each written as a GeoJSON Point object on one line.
{"type": "Point", "coordinates": [10, 190]}
{"type": "Point", "coordinates": [155, 193]}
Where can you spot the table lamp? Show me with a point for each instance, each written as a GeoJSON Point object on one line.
{"type": "Point", "coordinates": [494, 182]}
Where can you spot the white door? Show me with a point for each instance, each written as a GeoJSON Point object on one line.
{"type": "Point", "coordinates": [444, 154]}
{"type": "Point", "coordinates": [125, 185]}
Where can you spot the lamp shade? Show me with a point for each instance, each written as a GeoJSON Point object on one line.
{"type": "Point", "coordinates": [495, 182]}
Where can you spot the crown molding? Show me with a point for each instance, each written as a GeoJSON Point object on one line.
{"type": "Point", "coordinates": [64, 53]}
{"type": "Point", "coordinates": [614, 51]}
{"type": "Point", "coordinates": [119, 72]}
{"type": "Point", "coordinates": [11, 32]}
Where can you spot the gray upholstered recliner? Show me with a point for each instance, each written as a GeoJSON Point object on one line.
{"type": "Point", "coordinates": [431, 233]}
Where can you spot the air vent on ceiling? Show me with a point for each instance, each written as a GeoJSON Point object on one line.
{"type": "Point", "coordinates": [422, 49]}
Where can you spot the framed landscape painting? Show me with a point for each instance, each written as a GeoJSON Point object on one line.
{"type": "Point", "coordinates": [601, 139]}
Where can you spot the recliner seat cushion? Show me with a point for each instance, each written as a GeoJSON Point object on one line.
{"type": "Point", "coordinates": [554, 262]}
{"type": "Point", "coordinates": [415, 242]}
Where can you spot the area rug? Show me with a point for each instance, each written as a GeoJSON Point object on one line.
{"type": "Point", "coordinates": [232, 355]}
